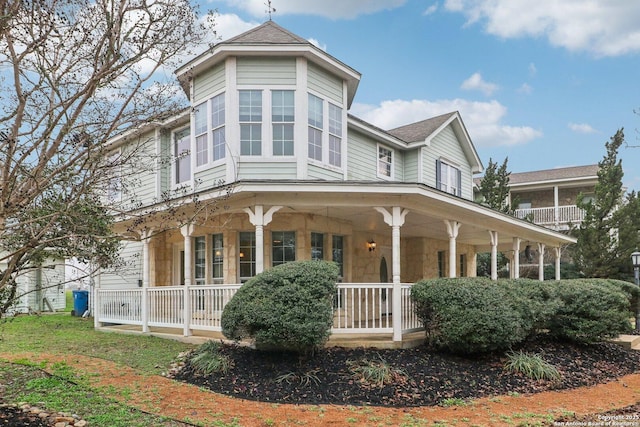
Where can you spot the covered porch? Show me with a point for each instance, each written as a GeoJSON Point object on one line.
{"type": "Point", "coordinates": [384, 236]}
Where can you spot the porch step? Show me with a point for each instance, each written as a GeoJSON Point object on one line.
{"type": "Point", "coordinates": [628, 341]}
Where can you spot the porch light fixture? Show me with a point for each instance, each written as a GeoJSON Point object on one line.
{"type": "Point", "coordinates": [635, 260]}
{"type": "Point", "coordinates": [371, 245]}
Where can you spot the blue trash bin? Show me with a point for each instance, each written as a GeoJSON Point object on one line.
{"type": "Point", "coordinates": [80, 302]}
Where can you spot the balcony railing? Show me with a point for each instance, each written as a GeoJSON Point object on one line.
{"type": "Point", "coordinates": [360, 308]}
{"type": "Point", "coordinates": [559, 216]}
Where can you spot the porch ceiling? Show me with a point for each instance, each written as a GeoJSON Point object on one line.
{"type": "Point", "coordinates": [428, 208]}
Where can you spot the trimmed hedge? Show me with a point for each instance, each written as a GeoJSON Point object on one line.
{"type": "Point", "coordinates": [289, 307]}
{"type": "Point", "coordinates": [476, 315]}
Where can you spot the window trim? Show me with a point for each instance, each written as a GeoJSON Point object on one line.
{"type": "Point", "coordinates": [390, 163]}
{"type": "Point", "coordinates": [174, 157]}
{"type": "Point", "coordinates": [439, 183]}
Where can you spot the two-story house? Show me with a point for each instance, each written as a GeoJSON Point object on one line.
{"type": "Point", "coordinates": [283, 172]}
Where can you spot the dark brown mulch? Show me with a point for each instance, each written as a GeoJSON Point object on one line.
{"type": "Point", "coordinates": [426, 377]}
{"type": "Point", "coordinates": [13, 416]}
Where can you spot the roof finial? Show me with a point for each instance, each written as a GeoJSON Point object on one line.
{"type": "Point", "coordinates": [270, 9]}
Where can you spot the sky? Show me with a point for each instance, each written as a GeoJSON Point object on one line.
{"type": "Point", "coordinates": [544, 83]}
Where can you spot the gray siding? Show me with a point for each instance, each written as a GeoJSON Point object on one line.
{"type": "Point", "coordinates": [362, 157]}
{"type": "Point", "coordinates": [446, 146]}
{"type": "Point", "coordinates": [267, 170]}
{"type": "Point", "coordinates": [210, 178]}
{"type": "Point", "coordinates": [324, 83]}
{"type": "Point", "coordinates": [126, 275]}
{"type": "Point", "coordinates": [411, 162]}
{"type": "Point", "coordinates": [266, 71]}
{"type": "Point", "coordinates": [208, 83]}
{"type": "Point", "coordinates": [317, 172]}
{"type": "Point", "coordinates": [165, 161]}
{"type": "Point", "coordinates": [139, 174]}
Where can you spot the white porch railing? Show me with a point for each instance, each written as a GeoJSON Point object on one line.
{"type": "Point", "coordinates": [547, 216]}
{"type": "Point", "coordinates": [359, 307]}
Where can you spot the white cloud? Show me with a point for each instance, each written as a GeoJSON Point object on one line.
{"type": "Point", "coordinates": [525, 89]}
{"type": "Point", "coordinates": [582, 128]}
{"type": "Point", "coordinates": [334, 9]}
{"type": "Point", "coordinates": [532, 69]}
{"type": "Point", "coordinates": [431, 10]}
{"type": "Point", "coordinates": [317, 44]}
{"type": "Point", "coordinates": [602, 27]}
{"type": "Point", "coordinates": [482, 119]}
{"type": "Point", "coordinates": [475, 82]}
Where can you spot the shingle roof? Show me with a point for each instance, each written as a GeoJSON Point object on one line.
{"type": "Point", "coordinates": [419, 131]}
{"type": "Point", "coordinates": [267, 33]}
{"type": "Point", "coordinates": [588, 171]}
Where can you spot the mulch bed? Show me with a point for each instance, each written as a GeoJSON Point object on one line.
{"type": "Point", "coordinates": [423, 377]}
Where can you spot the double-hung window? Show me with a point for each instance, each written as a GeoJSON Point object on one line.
{"type": "Point", "coordinates": [200, 127]}
{"type": "Point", "coordinates": [250, 122]}
{"type": "Point", "coordinates": [317, 246]}
{"type": "Point", "coordinates": [247, 255]}
{"type": "Point", "coordinates": [200, 253]}
{"type": "Point", "coordinates": [448, 178]}
{"type": "Point", "coordinates": [182, 153]}
{"type": "Point", "coordinates": [335, 135]}
{"type": "Point", "coordinates": [283, 246]}
{"type": "Point", "coordinates": [315, 127]}
{"type": "Point", "coordinates": [282, 118]}
{"type": "Point", "coordinates": [217, 127]}
{"type": "Point", "coordinates": [217, 265]}
{"type": "Point", "coordinates": [385, 162]}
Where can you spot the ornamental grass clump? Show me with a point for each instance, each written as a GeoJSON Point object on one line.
{"type": "Point", "coordinates": [532, 366]}
{"type": "Point", "coordinates": [375, 372]}
{"type": "Point", "coordinates": [208, 359]}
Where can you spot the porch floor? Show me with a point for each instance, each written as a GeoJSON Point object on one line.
{"type": "Point", "coordinates": [372, 340]}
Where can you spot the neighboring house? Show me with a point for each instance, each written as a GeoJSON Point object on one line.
{"type": "Point", "coordinates": [549, 197]}
{"type": "Point", "coordinates": [281, 173]}
{"type": "Point", "coordinates": [41, 289]}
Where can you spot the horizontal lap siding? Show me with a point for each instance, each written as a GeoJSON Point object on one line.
{"type": "Point", "coordinates": [411, 165]}
{"type": "Point", "coordinates": [210, 178]}
{"type": "Point", "coordinates": [140, 173]}
{"type": "Point", "coordinates": [267, 170]}
{"type": "Point", "coordinates": [128, 272]}
{"type": "Point", "coordinates": [446, 146]}
{"type": "Point", "coordinates": [362, 157]}
{"type": "Point", "coordinates": [317, 172]}
{"type": "Point", "coordinates": [266, 71]}
{"type": "Point", "coordinates": [325, 84]}
{"type": "Point", "coordinates": [208, 83]}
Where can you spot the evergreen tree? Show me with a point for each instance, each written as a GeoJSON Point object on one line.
{"type": "Point", "coordinates": [598, 252]}
{"type": "Point", "coordinates": [494, 187]}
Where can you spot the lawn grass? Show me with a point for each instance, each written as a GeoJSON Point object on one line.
{"type": "Point", "coordinates": [62, 333]}
{"type": "Point", "coordinates": [66, 334]}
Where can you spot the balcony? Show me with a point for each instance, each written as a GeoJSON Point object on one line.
{"type": "Point", "coordinates": [558, 218]}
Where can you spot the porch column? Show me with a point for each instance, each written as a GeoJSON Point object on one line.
{"type": "Point", "coordinates": [187, 231]}
{"type": "Point", "coordinates": [516, 257]}
{"type": "Point", "coordinates": [144, 305]}
{"type": "Point", "coordinates": [493, 235]}
{"type": "Point", "coordinates": [452, 230]}
{"type": "Point", "coordinates": [558, 254]}
{"type": "Point", "coordinates": [259, 219]}
{"type": "Point", "coordinates": [556, 208]}
{"type": "Point", "coordinates": [395, 219]}
{"type": "Point", "coordinates": [541, 247]}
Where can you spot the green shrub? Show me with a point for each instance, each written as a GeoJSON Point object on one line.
{"type": "Point", "coordinates": [537, 301]}
{"type": "Point", "coordinates": [531, 366]}
{"type": "Point", "coordinates": [469, 315]}
{"type": "Point", "coordinates": [592, 310]}
{"type": "Point", "coordinates": [208, 359]}
{"type": "Point", "coordinates": [289, 307]}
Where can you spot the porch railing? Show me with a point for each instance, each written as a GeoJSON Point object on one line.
{"type": "Point", "coordinates": [547, 216]}
{"type": "Point", "coordinates": [360, 308]}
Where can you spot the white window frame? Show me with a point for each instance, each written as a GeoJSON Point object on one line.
{"type": "Point", "coordinates": [284, 123]}
{"type": "Point", "coordinates": [174, 157]}
{"type": "Point", "coordinates": [447, 185]}
{"type": "Point", "coordinates": [260, 123]}
{"type": "Point", "coordinates": [335, 126]}
{"type": "Point", "coordinates": [201, 135]}
{"type": "Point", "coordinates": [312, 126]}
{"type": "Point", "coordinates": [379, 173]}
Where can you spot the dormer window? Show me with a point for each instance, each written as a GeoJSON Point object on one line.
{"type": "Point", "coordinates": [250, 122]}
{"type": "Point", "coordinates": [448, 178]}
{"type": "Point", "coordinates": [385, 162]}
